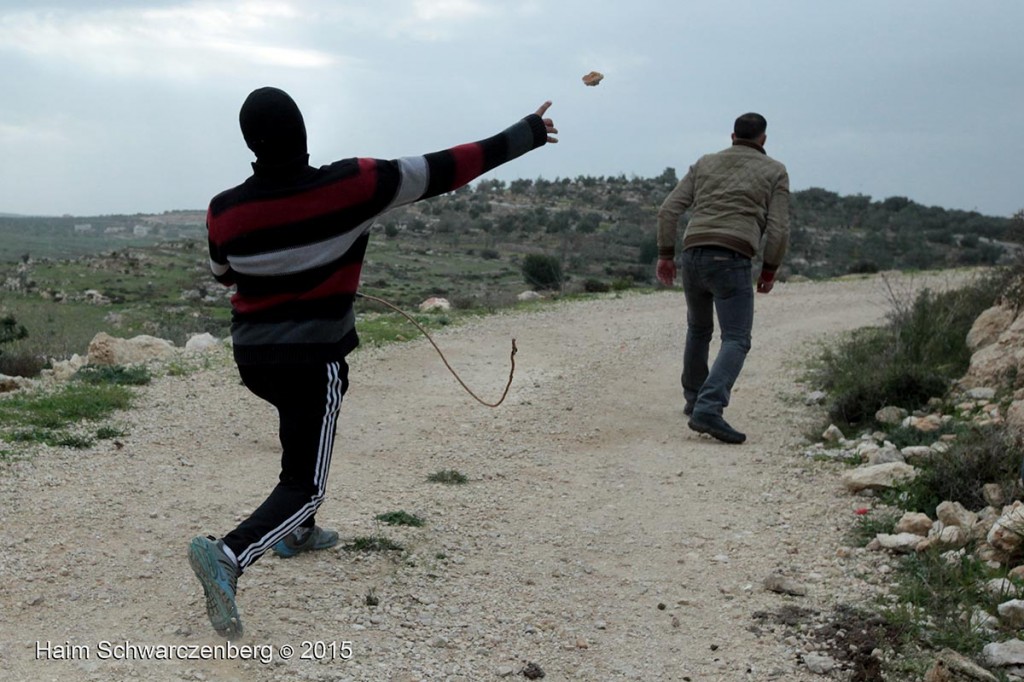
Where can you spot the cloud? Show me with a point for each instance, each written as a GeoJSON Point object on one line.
{"type": "Point", "coordinates": [186, 41]}
{"type": "Point", "coordinates": [436, 20]}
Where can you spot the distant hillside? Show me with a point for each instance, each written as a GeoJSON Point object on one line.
{"type": "Point", "coordinates": [601, 228]}
{"type": "Point", "coordinates": [70, 236]}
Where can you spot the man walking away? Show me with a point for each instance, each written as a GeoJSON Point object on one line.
{"type": "Point", "coordinates": [736, 197]}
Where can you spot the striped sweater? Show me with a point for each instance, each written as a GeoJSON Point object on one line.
{"type": "Point", "coordinates": [293, 242]}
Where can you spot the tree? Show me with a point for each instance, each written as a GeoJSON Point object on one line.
{"type": "Point", "coordinates": [1015, 231]}
{"type": "Point", "coordinates": [10, 330]}
{"type": "Point", "coordinates": [542, 271]}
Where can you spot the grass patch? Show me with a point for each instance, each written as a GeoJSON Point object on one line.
{"type": "Point", "coordinates": [935, 596]}
{"type": "Point", "coordinates": [400, 518]}
{"type": "Point", "coordinates": [51, 437]}
{"type": "Point", "coordinates": [73, 403]}
{"type": "Point", "coordinates": [73, 440]}
{"type": "Point", "coordinates": [876, 521]}
{"type": "Point", "coordinates": [448, 476]}
{"type": "Point", "coordinates": [118, 375]}
{"type": "Point", "coordinates": [372, 543]}
{"type": "Point", "coordinates": [109, 432]}
{"type": "Point", "coordinates": [8, 456]}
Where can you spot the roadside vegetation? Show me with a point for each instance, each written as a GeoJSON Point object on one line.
{"type": "Point", "coordinates": [73, 415]}
{"type": "Point", "coordinates": [936, 598]}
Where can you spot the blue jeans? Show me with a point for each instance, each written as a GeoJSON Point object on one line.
{"type": "Point", "coordinates": [715, 280]}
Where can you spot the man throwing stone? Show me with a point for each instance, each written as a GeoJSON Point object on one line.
{"type": "Point", "coordinates": [736, 198]}
{"type": "Point", "coordinates": [292, 238]}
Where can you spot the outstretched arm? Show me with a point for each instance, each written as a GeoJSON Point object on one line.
{"type": "Point", "coordinates": [422, 177]}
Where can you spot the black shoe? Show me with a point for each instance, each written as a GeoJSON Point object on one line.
{"type": "Point", "coordinates": [688, 408]}
{"type": "Point", "coordinates": [715, 426]}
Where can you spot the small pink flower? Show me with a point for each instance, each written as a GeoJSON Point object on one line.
{"type": "Point", "coordinates": [861, 511]}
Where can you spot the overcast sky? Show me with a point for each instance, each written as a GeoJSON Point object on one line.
{"type": "Point", "coordinates": [129, 106]}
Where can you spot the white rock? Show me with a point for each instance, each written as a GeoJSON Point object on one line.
{"type": "Point", "coordinates": [916, 454]}
{"type": "Point", "coordinates": [900, 542]}
{"type": "Point", "coordinates": [1002, 654]}
{"type": "Point", "coordinates": [915, 523]}
{"type": "Point", "coordinates": [815, 398]}
{"type": "Point", "coordinates": [878, 476]}
{"type": "Point", "coordinates": [435, 303]}
{"type": "Point", "coordinates": [981, 393]}
{"type": "Point", "coordinates": [1001, 587]}
{"type": "Point", "coordinates": [198, 343]}
{"type": "Point", "coordinates": [1012, 613]}
{"type": "Point", "coordinates": [1006, 533]}
{"type": "Point", "coordinates": [890, 415]}
{"type": "Point", "coordinates": [832, 434]}
{"type": "Point", "coordinates": [954, 514]}
{"type": "Point", "coordinates": [108, 350]}
{"type": "Point", "coordinates": [529, 296]}
{"type": "Point", "coordinates": [819, 664]}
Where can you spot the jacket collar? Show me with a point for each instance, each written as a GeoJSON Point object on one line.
{"type": "Point", "coordinates": [749, 143]}
{"type": "Point", "coordinates": [281, 171]}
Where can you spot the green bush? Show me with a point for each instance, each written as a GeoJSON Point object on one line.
{"type": "Point", "coordinates": [914, 357]}
{"type": "Point", "coordinates": [448, 476]}
{"type": "Point", "coordinates": [10, 330]}
{"type": "Point", "coordinates": [542, 271]}
{"type": "Point", "coordinates": [978, 456]}
{"type": "Point", "coordinates": [400, 518]}
{"type": "Point", "coordinates": [117, 375]}
{"type": "Point", "coordinates": [22, 363]}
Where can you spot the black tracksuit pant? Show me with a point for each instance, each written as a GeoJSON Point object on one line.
{"type": "Point", "coordinates": [308, 399]}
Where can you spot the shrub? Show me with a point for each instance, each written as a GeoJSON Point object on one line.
{"type": "Point", "coordinates": [118, 375]}
{"type": "Point", "coordinates": [978, 456]}
{"type": "Point", "coordinates": [449, 476]}
{"type": "Point", "coordinates": [400, 518]}
{"type": "Point", "coordinates": [22, 364]}
{"type": "Point", "coordinates": [595, 286]}
{"type": "Point", "coordinates": [863, 267]}
{"type": "Point", "coordinates": [914, 357]}
{"type": "Point", "coordinates": [10, 330]}
{"type": "Point", "coordinates": [542, 271]}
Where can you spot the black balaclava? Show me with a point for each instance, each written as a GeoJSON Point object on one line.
{"type": "Point", "coordinates": [272, 127]}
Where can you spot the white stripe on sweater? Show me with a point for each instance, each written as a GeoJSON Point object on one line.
{"type": "Point", "coordinates": [300, 258]}
{"type": "Point", "coordinates": [415, 176]}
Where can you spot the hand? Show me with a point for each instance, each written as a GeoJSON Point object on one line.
{"type": "Point", "coordinates": [666, 271]}
{"type": "Point", "coordinates": [764, 286]}
{"type": "Point", "coordinates": [549, 125]}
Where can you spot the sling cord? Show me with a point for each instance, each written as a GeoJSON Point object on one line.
{"type": "Point", "coordinates": [512, 357]}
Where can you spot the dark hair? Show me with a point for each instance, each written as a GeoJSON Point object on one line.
{"type": "Point", "coordinates": [750, 126]}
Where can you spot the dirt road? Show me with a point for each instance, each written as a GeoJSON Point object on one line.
{"type": "Point", "coordinates": [597, 537]}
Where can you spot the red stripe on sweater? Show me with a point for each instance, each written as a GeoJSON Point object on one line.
{"type": "Point", "coordinates": [259, 215]}
{"type": "Point", "coordinates": [469, 163]}
{"type": "Point", "coordinates": [343, 281]}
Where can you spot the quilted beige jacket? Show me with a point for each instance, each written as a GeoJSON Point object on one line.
{"type": "Point", "coordinates": [736, 197]}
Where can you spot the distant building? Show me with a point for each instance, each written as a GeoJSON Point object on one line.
{"type": "Point", "coordinates": [141, 230]}
{"type": "Point", "coordinates": [83, 228]}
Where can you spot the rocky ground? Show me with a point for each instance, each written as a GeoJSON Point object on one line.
{"type": "Point", "coordinates": [597, 538]}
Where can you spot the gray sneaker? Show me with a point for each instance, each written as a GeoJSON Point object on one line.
{"type": "Point", "coordinates": [318, 538]}
{"type": "Point", "coordinates": [219, 577]}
